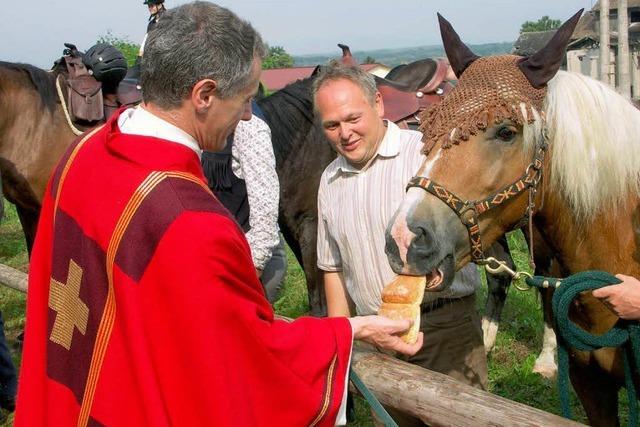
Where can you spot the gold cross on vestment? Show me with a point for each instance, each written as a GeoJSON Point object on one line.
{"type": "Point", "coordinates": [71, 312]}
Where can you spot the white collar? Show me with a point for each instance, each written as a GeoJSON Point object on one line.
{"type": "Point", "coordinates": [138, 121]}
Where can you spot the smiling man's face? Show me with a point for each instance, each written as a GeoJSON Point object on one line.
{"type": "Point", "coordinates": [351, 122]}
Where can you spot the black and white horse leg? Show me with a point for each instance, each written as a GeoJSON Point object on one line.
{"type": "Point", "coordinates": [545, 364]}
{"type": "Point", "coordinates": [546, 265]}
{"type": "Point", "coordinates": [498, 286]}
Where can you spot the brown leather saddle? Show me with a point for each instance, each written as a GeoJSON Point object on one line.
{"type": "Point", "coordinates": [405, 98]}
{"type": "Point", "coordinates": [85, 99]}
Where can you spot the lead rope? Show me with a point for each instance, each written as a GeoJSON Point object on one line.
{"type": "Point", "coordinates": [625, 334]}
{"type": "Point", "coordinates": [375, 404]}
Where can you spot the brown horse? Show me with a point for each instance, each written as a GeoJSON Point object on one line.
{"type": "Point", "coordinates": [33, 136]}
{"type": "Point", "coordinates": [519, 139]}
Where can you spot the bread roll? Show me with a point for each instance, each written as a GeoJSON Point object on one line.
{"type": "Point", "coordinates": [405, 290]}
{"type": "Point", "coordinates": [401, 299]}
{"type": "Point", "coordinates": [403, 311]}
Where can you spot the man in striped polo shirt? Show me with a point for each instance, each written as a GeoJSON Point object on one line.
{"type": "Point", "coordinates": [358, 195]}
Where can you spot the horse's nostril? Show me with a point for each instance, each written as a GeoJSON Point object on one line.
{"type": "Point", "coordinates": [421, 249]}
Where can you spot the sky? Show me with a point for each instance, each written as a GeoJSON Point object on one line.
{"type": "Point", "coordinates": [33, 31]}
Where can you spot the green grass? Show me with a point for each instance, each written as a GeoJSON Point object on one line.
{"type": "Point", "coordinates": [13, 253]}
{"type": "Point", "coordinates": [518, 343]}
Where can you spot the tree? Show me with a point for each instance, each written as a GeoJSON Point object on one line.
{"type": "Point", "coordinates": [543, 24]}
{"type": "Point", "coordinates": [370, 60]}
{"type": "Point", "coordinates": [277, 57]}
{"type": "Point", "coordinates": [127, 47]}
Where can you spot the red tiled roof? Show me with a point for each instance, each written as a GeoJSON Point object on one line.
{"type": "Point", "coordinates": [277, 78]}
{"type": "Point", "coordinates": [368, 67]}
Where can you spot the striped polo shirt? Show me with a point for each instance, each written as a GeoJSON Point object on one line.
{"type": "Point", "coordinates": [354, 208]}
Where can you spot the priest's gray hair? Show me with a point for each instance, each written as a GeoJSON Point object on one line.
{"type": "Point", "coordinates": [197, 41]}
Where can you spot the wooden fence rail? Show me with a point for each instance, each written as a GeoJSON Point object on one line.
{"type": "Point", "coordinates": [439, 400]}
{"type": "Point", "coordinates": [15, 279]}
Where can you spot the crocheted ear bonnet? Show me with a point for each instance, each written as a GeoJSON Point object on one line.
{"type": "Point", "coordinates": [491, 89]}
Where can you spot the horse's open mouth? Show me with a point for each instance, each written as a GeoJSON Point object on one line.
{"type": "Point", "coordinates": [434, 279]}
{"type": "Point", "coordinates": [441, 277]}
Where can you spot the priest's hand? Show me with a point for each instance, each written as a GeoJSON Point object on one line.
{"type": "Point", "coordinates": [383, 332]}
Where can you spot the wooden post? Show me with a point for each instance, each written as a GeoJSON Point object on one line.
{"type": "Point", "coordinates": [624, 82]}
{"type": "Point", "coordinates": [439, 400]}
{"type": "Point", "coordinates": [15, 279]}
{"type": "Point", "coordinates": [604, 42]}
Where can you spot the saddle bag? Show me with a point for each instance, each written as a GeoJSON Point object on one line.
{"type": "Point", "coordinates": [84, 93]}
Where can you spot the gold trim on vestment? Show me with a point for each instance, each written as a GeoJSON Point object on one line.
{"type": "Point", "coordinates": [327, 394]}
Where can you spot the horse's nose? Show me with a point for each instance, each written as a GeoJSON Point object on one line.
{"type": "Point", "coordinates": [421, 250]}
{"type": "Point", "coordinates": [393, 254]}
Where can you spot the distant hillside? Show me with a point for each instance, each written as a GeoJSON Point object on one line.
{"type": "Point", "coordinates": [393, 57]}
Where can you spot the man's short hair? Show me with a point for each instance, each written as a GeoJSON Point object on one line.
{"type": "Point", "coordinates": [354, 74]}
{"type": "Point", "coordinates": [197, 41]}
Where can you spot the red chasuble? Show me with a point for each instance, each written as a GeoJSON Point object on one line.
{"type": "Point", "coordinates": [144, 307]}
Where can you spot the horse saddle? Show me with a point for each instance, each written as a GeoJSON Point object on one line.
{"type": "Point", "coordinates": [405, 100]}
{"type": "Point", "coordinates": [403, 103]}
{"type": "Point", "coordinates": [86, 99]}
{"type": "Point", "coordinates": [84, 92]}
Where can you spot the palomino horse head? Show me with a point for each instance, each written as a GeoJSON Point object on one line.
{"type": "Point", "coordinates": [485, 146]}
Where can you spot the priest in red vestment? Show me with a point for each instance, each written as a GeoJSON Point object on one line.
{"type": "Point", "coordinates": [144, 307]}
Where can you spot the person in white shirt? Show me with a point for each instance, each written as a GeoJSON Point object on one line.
{"type": "Point", "coordinates": [358, 195]}
{"type": "Point", "coordinates": [243, 177]}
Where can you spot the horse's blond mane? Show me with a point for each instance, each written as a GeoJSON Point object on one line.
{"type": "Point", "coordinates": [594, 138]}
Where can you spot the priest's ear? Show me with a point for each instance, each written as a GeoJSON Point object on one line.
{"type": "Point", "coordinates": [203, 94]}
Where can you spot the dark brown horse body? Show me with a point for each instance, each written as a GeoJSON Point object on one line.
{"type": "Point", "coordinates": [533, 140]}
{"type": "Point", "coordinates": [33, 135]}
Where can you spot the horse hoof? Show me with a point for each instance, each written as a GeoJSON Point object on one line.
{"type": "Point", "coordinates": [547, 370]}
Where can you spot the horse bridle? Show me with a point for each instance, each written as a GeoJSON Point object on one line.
{"type": "Point", "coordinates": [469, 211]}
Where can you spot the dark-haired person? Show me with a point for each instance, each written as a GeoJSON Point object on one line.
{"type": "Point", "coordinates": [156, 9]}
{"type": "Point", "coordinates": [144, 307]}
{"type": "Point", "coordinates": [243, 177]}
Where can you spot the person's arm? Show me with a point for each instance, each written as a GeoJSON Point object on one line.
{"type": "Point", "coordinates": [622, 298]}
{"type": "Point", "coordinates": [253, 151]}
{"type": "Point", "coordinates": [336, 294]}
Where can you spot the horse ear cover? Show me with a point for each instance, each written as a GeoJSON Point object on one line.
{"type": "Point", "coordinates": [459, 55]}
{"type": "Point", "coordinates": [543, 65]}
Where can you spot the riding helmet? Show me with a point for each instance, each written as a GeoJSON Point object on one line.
{"type": "Point", "coordinates": [147, 2]}
{"type": "Point", "coordinates": [106, 63]}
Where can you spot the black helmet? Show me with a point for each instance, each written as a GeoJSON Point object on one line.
{"type": "Point", "coordinates": [106, 63]}
{"type": "Point", "coordinates": [148, 2]}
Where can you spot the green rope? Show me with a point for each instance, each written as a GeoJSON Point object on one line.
{"type": "Point", "coordinates": [624, 334]}
{"type": "Point", "coordinates": [375, 404]}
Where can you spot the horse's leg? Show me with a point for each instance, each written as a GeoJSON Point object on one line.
{"type": "Point", "coordinates": [546, 265]}
{"type": "Point", "coordinates": [315, 280]}
{"type": "Point", "coordinates": [545, 364]}
{"type": "Point", "coordinates": [597, 391]}
{"type": "Point", "coordinates": [29, 221]}
{"type": "Point", "coordinates": [497, 285]}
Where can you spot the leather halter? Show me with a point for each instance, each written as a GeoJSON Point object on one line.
{"type": "Point", "coordinates": [468, 210]}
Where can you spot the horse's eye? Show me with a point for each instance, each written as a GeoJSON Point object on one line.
{"type": "Point", "coordinates": [506, 134]}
